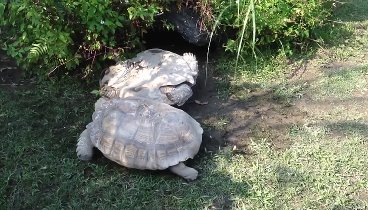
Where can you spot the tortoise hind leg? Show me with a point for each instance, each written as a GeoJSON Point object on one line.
{"type": "Point", "coordinates": [84, 147]}
{"type": "Point", "coordinates": [184, 171]}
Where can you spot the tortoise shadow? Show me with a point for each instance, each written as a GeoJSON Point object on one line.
{"type": "Point", "coordinates": [212, 189]}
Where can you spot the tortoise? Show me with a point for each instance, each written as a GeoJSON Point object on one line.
{"type": "Point", "coordinates": [142, 134]}
{"type": "Point", "coordinates": [155, 73]}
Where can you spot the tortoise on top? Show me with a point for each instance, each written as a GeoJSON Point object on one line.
{"type": "Point", "coordinates": [143, 134]}
{"type": "Point", "coordinates": [155, 74]}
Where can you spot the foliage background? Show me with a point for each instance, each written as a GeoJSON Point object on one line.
{"type": "Point", "coordinates": [66, 34]}
{"type": "Point", "coordinates": [47, 37]}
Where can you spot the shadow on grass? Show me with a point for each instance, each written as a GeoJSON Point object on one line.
{"type": "Point", "coordinates": [286, 176]}
{"type": "Point", "coordinates": [345, 70]}
{"type": "Point", "coordinates": [346, 128]}
{"type": "Point", "coordinates": [109, 185]}
{"type": "Point", "coordinates": [351, 10]}
{"type": "Point", "coordinates": [40, 126]}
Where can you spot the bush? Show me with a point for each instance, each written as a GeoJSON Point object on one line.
{"type": "Point", "coordinates": [66, 33]}
{"type": "Point", "coordinates": [61, 35]}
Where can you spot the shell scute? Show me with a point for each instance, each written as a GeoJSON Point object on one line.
{"type": "Point", "coordinates": [131, 151]}
{"type": "Point", "coordinates": [142, 154]}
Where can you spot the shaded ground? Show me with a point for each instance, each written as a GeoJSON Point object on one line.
{"type": "Point", "coordinates": [271, 112]}
{"type": "Point", "coordinates": [225, 120]}
{"type": "Point", "coordinates": [229, 120]}
{"type": "Point", "coordinates": [10, 74]}
{"type": "Point", "coordinates": [235, 122]}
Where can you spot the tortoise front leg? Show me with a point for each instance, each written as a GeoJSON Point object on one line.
{"type": "Point", "coordinates": [179, 94]}
{"type": "Point", "coordinates": [184, 171]}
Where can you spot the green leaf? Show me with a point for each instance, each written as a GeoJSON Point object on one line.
{"type": "Point", "coordinates": [131, 12]}
{"type": "Point", "coordinates": [95, 92]}
{"type": "Point", "coordinates": [63, 38]}
{"type": "Point", "coordinates": [118, 24]}
{"type": "Point", "coordinates": [21, 8]}
{"type": "Point", "coordinates": [2, 8]}
{"type": "Point", "coordinates": [108, 23]}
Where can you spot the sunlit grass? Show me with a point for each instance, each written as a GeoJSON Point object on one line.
{"type": "Point", "coordinates": [320, 170]}
{"type": "Point", "coordinates": [341, 83]}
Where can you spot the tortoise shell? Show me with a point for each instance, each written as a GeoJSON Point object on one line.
{"type": "Point", "coordinates": [144, 134]}
{"type": "Point", "coordinates": [149, 75]}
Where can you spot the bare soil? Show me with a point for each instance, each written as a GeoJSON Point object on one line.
{"type": "Point", "coordinates": [261, 115]}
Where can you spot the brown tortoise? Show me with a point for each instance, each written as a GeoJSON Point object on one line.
{"type": "Point", "coordinates": [143, 134]}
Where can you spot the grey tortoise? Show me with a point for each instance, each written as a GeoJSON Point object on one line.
{"type": "Point", "coordinates": [142, 134]}
{"type": "Point", "coordinates": [155, 74]}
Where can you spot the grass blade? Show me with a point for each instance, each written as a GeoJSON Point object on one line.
{"type": "Point", "coordinates": [211, 36]}
{"type": "Point", "coordinates": [245, 23]}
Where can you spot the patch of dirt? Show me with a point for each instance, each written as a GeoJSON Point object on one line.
{"type": "Point", "coordinates": [263, 114]}
{"type": "Point", "coordinates": [240, 121]}
{"type": "Point", "coordinates": [232, 122]}
{"type": "Point", "coordinates": [361, 195]}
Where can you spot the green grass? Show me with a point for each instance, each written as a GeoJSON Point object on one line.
{"type": "Point", "coordinates": [39, 168]}
{"type": "Point", "coordinates": [342, 83]}
{"type": "Point", "coordinates": [325, 166]}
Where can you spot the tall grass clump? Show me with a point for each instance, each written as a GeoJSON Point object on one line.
{"type": "Point", "coordinates": [257, 23]}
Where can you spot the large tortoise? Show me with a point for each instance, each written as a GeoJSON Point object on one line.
{"type": "Point", "coordinates": [143, 134]}
{"type": "Point", "coordinates": [156, 74]}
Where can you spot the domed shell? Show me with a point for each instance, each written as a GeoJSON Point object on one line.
{"type": "Point", "coordinates": [144, 134]}
{"type": "Point", "coordinates": [150, 70]}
